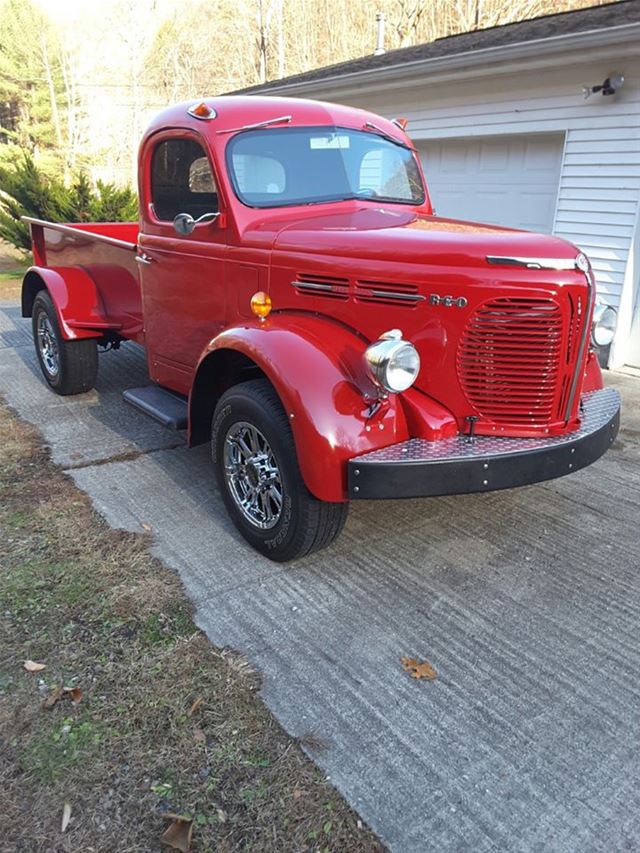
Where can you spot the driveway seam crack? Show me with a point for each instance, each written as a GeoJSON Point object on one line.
{"type": "Point", "coordinates": [127, 456]}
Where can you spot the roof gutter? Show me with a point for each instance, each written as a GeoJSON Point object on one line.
{"type": "Point", "coordinates": [587, 40]}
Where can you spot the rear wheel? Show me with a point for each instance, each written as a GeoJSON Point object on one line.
{"type": "Point", "coordinates": [69, 367]}
{"type": "Point", "coordinates": [259, 477]}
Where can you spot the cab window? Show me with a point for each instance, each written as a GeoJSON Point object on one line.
{"type": "Point", "coordinates": [182, 180]}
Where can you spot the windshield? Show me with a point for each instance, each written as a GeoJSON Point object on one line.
{"type": "Point", "coordinates": [278, 167]}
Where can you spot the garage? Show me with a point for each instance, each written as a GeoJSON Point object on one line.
{"type": "Point", "coordinates": [506, 180]}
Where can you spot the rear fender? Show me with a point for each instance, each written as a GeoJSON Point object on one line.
{"type": "Point", "coordinates": [317, 369]}
{"type": "Point", "coordinates": [75, 298]}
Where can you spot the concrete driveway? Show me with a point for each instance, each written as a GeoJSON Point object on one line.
{"type": "Point", "coordinates": [527, 602]}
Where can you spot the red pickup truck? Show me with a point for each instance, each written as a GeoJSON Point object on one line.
{"type": "Point", "coordinates": [304, 310]}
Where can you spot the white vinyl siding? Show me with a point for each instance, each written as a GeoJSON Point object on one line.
{"type": "Point", "coordinates": [598, 200]}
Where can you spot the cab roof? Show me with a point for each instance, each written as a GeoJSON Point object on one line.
{"type": "Point", "coordinates": [237, 111]}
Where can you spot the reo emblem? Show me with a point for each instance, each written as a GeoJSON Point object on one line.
{"type": "Point", "coordinates": [448, 301]}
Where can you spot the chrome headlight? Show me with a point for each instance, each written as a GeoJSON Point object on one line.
{"type": "Point", "coordinates": [603, 327]}
{"type": "Point", "coordinates": [393, 363]}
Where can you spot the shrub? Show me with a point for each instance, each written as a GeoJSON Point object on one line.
{"type": "Point", "coordinates": [26, 191]}
{"type": "Point", "coordinates": [103, 203]}
{"type": "Point", "coordinates": [113, 204]}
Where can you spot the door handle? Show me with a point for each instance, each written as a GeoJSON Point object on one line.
{"type": "Point", "coordinates": [143, 259]}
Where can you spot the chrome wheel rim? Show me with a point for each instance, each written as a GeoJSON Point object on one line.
{"type": "Point", "coordinates": [252, 475]}
{"type": "Point", "coordinates": [47, 345]}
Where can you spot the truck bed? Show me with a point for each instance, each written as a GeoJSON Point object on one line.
{"type": "Point", "coordinates": [106, 252]}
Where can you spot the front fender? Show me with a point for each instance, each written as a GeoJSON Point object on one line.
{"type": "Point", "coordinates": [317, 369]}
{"type": "Point", "coordinates": [75, 298]}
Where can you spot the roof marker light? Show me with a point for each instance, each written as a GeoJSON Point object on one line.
{"type": "Point", "coordinates": [202, 111]}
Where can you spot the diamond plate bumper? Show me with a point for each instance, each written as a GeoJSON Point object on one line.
{"type": "Point", "coordinates": [419, 468]}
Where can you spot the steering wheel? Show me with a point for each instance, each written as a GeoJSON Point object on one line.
{"type": "Point", "coordinates": [367, 192]}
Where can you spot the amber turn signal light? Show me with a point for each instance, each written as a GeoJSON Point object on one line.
{"type": "Point", "coordinates": [261, 304]}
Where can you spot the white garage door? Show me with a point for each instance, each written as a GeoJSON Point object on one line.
{"type": "Point", "coordinates": [506, 180]}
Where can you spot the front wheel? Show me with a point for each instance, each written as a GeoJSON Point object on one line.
{"type": "Point", "coordinates": [69, 367]}
{"type": "Point", "coordinates": [259, 477]}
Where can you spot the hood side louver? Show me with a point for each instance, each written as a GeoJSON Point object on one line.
{"type": "Point", "coordinates": [389, 293]}
{"type": "Point", "coordinates": [322, 285]}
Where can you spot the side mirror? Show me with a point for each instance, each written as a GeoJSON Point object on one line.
{"type": "Point", "coordinates": [184, 223]}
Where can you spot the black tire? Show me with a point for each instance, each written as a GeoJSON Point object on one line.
{"type": "Point", "coordinates": [304, 524]}
{"type": "Point", "coordinates": [69, 367]}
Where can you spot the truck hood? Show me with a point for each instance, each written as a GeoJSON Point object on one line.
{"type": "Point", "coordinates": [384, 234]}
{"type": "Point", "coordinates": [378, 268]}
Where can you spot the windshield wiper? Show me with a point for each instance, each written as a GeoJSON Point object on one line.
{"type": "Point", "coordinates": [376, 199]}
{"type": "Point", "coordinates": [258, 124]}
{"type": "Point", "coordinates": [369, 125]}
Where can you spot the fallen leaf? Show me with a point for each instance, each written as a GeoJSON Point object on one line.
{"type": "Point", "coordinates": [32, 666]}
{"type": "Point", "coordinates": [195, 707]}
{"type": "Point", "coordinates": [419, 670]}
{"type": "Point", "coordinates": [178, 835]}
{"type": "Point", "coordinates": [146, 526]}
{"type": "Point", "coordinates": [221, 815]}
{"type": "Point", "coordinates": [66, 817]}
{"type": "Point", "coordinates": [200, 736]}
{"type": "Point", "coordinates": [53, 698]}
{"type": "Point", "coordinates": [297, 793]}
{"type": "Point", "coordinates": [74, 693]}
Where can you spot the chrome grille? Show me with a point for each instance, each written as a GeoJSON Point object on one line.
{"type": "Point", "coordinates": [509, 360]}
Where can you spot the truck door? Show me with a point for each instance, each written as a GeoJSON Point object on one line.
{"type": "Point", "coordinates": [182, 275]}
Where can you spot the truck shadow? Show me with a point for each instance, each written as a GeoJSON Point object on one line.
{"type": "Point", "coordinates": [15, 330]}
{"type": "Point", "coordinates": [90, 428]}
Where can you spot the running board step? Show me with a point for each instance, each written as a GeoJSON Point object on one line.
{"type": "Point", "coordinates": [164, 406]}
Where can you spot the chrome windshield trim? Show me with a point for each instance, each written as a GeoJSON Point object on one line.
{"type": "Point", "coordinates": [533, 263]}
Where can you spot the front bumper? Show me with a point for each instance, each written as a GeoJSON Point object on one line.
{"type": "Point", "coordinates": [459, 465]}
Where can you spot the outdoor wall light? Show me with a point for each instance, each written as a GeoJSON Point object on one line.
{"type": "Point", "coordinates": [610, 86]}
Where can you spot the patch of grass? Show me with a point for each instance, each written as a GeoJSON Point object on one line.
{"type": "Point", "coordinates": [53, 756]}
{"type": "Point", "coordinates": [166, 722]}
{"type": "Point", "coordinates": [165, 628]}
